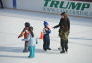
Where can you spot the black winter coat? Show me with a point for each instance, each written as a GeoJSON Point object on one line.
{"type": "Point", "coordinates": [64, 25]}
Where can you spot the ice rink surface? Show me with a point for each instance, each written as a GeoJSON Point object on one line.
{"type": "Point", "coordinates": [12, 23]}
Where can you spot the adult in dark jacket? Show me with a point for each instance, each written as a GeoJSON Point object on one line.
{"type": "Point", "coordinates": [24, 33]}
{"type": "Point", "coordinates": [64, 30]}
{"type": "Point", "coordinates": [46, 38]}
{"type": "Point", "coordinates": [1, 4]}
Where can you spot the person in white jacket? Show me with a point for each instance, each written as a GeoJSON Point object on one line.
{"type": "Point", "coordinates": [31, 43]}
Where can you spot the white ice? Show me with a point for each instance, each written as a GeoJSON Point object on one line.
{"type": "Point", "coordinates": [12, 23]}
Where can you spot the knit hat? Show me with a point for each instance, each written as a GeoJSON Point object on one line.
{"type": "Point", "coordinates": [45, 23]}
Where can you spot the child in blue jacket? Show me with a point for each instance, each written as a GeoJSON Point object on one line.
{"type": "Point", "coordinates": [46, 38]}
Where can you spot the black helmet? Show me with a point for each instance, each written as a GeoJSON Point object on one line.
{"type": "Point", "coordinates": [27, 24]}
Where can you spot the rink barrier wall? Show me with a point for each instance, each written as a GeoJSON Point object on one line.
{"type": "Point", "coordinates": [73, 8]}
{"type": "Point", "coordinates": [45, 12]}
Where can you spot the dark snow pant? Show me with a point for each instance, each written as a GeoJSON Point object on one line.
{"type": "Point", "coordinates": [26, 47]}
{"type": "Point", "coordinates": [1, 3]}
{"type": "Point", "coordinates": [46, 42]}
{"type": "Point", "coordinates": [64, 45]}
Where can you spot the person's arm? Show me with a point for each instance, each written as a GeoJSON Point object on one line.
{"type": "Point", "coordinates": [31, 30]}
{"type": "Point", "coordinates": [32, 33]}
{"type": "Point", "coordinates": [21, 34]}
{"type": "Point", "coordinates": [27, 39]}
{"type": "Point", "coordinates": [58, 24]}
{"type": "Point", "coordinates": [46, 31]}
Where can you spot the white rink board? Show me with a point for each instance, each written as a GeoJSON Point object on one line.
{"type": "Point", "coordinates": [74, 8]}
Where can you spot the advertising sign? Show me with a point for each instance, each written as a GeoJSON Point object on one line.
{"type": "Point", "coordinates": [77, 8]}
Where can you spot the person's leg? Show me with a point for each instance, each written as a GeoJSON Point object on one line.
{"type": "Point", "coordinates": [1, 4]}
{"type": "Point", "coordinates": [62, 46]}
{"type": "Point", "coordinates": [66, 41]}
{"type": "Point", "coordinates": [48, 44]}
{"type": "Point", "coordinates": [66, 45]}
{"type": "Point", "coordinates": [44, 44]}
{"type": "Point", "coordinates": [26, 47]}
{"type": "Point", "coordinates": [30, 50]}
{"type": "Point", "coordinates": [33, 52]}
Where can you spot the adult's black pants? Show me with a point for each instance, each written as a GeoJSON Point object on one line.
{"type": "Point", "coordinates": [64, 44]}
